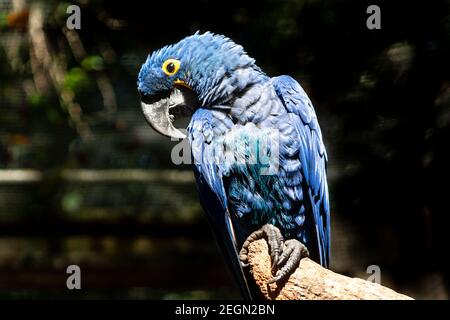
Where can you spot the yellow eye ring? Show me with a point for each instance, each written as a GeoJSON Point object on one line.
{"type": "Point", "coordinates": [171, 66]}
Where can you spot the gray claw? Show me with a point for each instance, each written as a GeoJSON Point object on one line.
{"type": "Point", "coordinates": [287, 252]}
{"type": "Point", "coordinates": [274, 239]}
{"type": "Point", "coordinates": [290, 258]}
{"type": "Point", "coordinates": [292, 251]}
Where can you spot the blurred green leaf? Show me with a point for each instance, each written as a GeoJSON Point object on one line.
{"type": "Point", "coordinates": [72, 201]}
{"type": "Point", "coordinates": [3, 19]}
{"type": "Point", "coordinates": [77, 80]}
{"type": "Point", "coordinates": [36, 99]}
{"type": "Point", "coordinates": [60, 13]}
{"type": "Point", "coordinates": [93, 63]}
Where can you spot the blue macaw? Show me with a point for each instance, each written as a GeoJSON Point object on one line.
{"type": "Point", "coordinates": [258, 155]}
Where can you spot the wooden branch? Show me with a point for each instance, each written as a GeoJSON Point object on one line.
{"type": "Point", "coordinates": [312, 282]}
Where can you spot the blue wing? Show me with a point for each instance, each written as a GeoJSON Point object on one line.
{"type": "Point", "coordinates": [212, 194]}
{"type": "Point", "coordinates": [313, 159]}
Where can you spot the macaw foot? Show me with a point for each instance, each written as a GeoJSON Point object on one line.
{"type": "Point", "coordinates": [285, 255]}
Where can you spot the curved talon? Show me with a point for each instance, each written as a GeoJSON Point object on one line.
{"type": "Point", "coordinates": [285, 255]}
{"type": "Point", "coordinates": [274, 239]}
{"type": "Point", "coordinates": [293, 252]}
{"type": "Point", "coordinates": [274, 256]}
{"type": "Point", "coordinates": [243, 256]}
{"type": "Point", "coordinates": [273, 280]}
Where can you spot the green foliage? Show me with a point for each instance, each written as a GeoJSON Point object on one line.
{"type": "Point", "coordinates": [93, 63]}
{"type": "Point", "coordinates": [36, 100]}
{"type": "Point", "coordinates": [71, 201]}
{"type": "Point", "coordinates": [3, 20]}
{"type": "Point", "coordinates": [77, 80]}
{"type": "Point", "coordinates": [57, 13]}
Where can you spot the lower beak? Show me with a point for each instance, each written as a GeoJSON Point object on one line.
{"type": "Point", "coordinates": [157, 114]}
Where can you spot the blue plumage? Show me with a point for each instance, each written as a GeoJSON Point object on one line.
{"type": "Point", "coordinates": [241, 111]}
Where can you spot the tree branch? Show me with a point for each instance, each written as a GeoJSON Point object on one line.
{"type": "Point", "coordinates": [312, 282]}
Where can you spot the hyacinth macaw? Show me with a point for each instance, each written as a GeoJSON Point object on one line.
{"type": "Point", "coordinates": [258, 155]}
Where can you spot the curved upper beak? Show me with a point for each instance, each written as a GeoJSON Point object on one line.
{"type": "Point", "coordinates": [158, 116]}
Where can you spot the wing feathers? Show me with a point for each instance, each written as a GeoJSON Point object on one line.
{"type": "Point", "coordinates": [312, 156]}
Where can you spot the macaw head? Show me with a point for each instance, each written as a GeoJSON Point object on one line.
{"type": "Point", "coordinates": [199, 71]}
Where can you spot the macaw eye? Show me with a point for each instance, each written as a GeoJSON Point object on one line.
{"type": "Point", "coordinates": [171, 66]}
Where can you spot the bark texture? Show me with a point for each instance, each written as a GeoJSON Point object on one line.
{"type": "Point", "coordinates": [312, 282]}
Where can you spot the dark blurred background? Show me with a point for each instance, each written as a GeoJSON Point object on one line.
{"type": "Point", "coordinates": [84, 180]}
